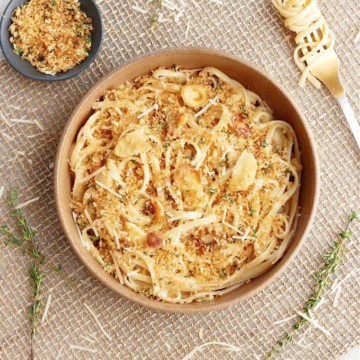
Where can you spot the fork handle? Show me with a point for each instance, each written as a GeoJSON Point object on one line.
{"type": "Point", "coordinates": [350, 117]}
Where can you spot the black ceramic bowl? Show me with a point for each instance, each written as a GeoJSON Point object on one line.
{"type": "Point", "coordinates": [24, 67]}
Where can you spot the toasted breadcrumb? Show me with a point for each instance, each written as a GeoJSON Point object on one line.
{"type": "Point", "coordinates": [53, 35]}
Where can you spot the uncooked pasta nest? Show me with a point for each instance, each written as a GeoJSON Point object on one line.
{"type": "Point", "coordinates": [185, 186]}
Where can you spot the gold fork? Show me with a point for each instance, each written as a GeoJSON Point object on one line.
{"type": "Point", "coordinates": [316, 51]}
{"type": "Point", "coordinates": [326, 69]}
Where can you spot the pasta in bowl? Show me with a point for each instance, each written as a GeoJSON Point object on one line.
{"type": "Point", "coordinates": [185, 185]}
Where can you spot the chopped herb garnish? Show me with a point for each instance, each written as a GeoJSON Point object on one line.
{"type": "Point", "coordinates": [229, 198]}
{"type": "Point", "coordinates": [244, 111]}
{"type": "Point", "coordinates": [17, 51]}
{"type": "Point", "coordinates": [94, 238]}
{"type": "Point", "coordinates": [266, 168]}
{"type": "Point", "coordinates": [287, 171]}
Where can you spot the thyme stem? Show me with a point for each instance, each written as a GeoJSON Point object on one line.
{"type": "Point", "coordinates": [157, 4]}
{"type": "Point", "coordinates": [331, 262]}
{"type": "Point", "coordinates": [13, 240]}
{"type": "Point", "coordinates": [29, 247]}
{"type": "Point", "coordinates": [28, 234]}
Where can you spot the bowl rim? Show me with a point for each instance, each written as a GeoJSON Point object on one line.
{"type": "Point", "coordinates": [207, 305]}
{"type": "Point", "coordinates": [59, 76]}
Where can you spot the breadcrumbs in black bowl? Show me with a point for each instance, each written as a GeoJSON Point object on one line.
{"type": "Point", "coordinates": [51, 39]}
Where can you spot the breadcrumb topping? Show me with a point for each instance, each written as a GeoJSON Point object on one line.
{"type": "Point", "coordinates": [53, 35]}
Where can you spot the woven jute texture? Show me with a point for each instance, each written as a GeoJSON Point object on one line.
{"type": "Point", "coordinates": [254, 31]}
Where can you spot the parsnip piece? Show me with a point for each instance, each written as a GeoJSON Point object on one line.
{"type": "Point", "coordinates": [104, 178]}
{"type": "Point", "coordinates": [188, 180]}
{"type": "Point", "coordinates": [131, 144]}
{"type": "Point", "coordinates": [194, 95]}
{"type": "Point", "coordinates": [244, 171]}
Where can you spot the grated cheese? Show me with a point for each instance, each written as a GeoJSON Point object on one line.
{"type": "Point", "coordinates": [119, 111]}
{"type": "Point", "coordinates": [82, 348]}
{"type": "Point", "coordinates": [92, 336]}
{"type": "Point", "coordinates": [285, 320]}
{"type": "Point", "coordinates": [139, 9]}
{"type": "Point", "coordinates": [169, 5]}
{"type": "Point", "coordinates": [191, 353]}
{"type": "Point", "coordinates": [2, 116]}
{"type": "Point", "coordinates": [245, 236]}
{"type": "Point", "coordinates": [2, 188]}
{"type": "Point", "coordinates": [319, 304]}
{"type": "Point", "coordinates": [97, 322]}
{"type": "Point", "coordinates": [108, 189]}
{"type": "Point", "coordinates": [337, 295]}
{"type": "Point", "coordinates": [302, 345]}
{"type": "Point", "coordinates": [189, 215]}
{"type": "Point", "coordinates": [26, 203]}
{"type": "Point", "coordinates": [86, 245]}
{"type": "Point", "coordinates": [98, 171]}
{"type": "Point", "coordinates": [6, 136]}
{"type": "Point", "coordinates": [200, 161]}
{"type": "Point", "coordinates": [224, 216]}
{"type": "Point", "coordinates": [201, 333]}
{"type": "Point", "coordinates": [219, 2]}
{"type": "Point", "coordinates": [91, 222]}
{"type": "Point", "coordinates": [118, 272]}
{"type": "Point", "coordinates": [232, 227]}
{"type": "Point", "coordinates": [187, 30]}
{"type": "Point", "coordinates": [117, 179]}
{"type": "Point", "coordinates": [87, 339]}
{"type": "Point", "coordinates": [116, 239]}
{"type": "Point", "coordinates": [47, 305]}
{"type": "Point", "coordinates": [351, 273]}
{"type": "Point", "coordinates": [357, 37]}
{"type": "Point", "coordinates": [176, 232]}
{"type": "Point", "coordinates": [313, 322]}
{"type": "Point", "coordinates": [14, 107]}
{"type": "Point", "coordinates": [148, 111]}
{"type": "Point", "coordinates": [163, 20]}
{"type": "Point", "coordinates": [21, 121]}
{"type": "Point", "coordinates": [38, 124]}
{"type": "Point", "coordinates": [131, 273]}
{"type": "Point", "coordinates": [178, 16]}
{"type": "Point", "coordinates": [211, 102]}
{"type": "Point", "coordinates": [35, 135]}
{"type": "Point", "coordinates": [60, 352]}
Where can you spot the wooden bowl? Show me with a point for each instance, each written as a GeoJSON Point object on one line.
{"type": "Point", "coordinates": [251, 77]}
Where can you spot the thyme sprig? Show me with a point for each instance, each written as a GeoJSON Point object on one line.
{"type": "Point", "coordinates": [27, 244]}
{"type": "Point", "coordinates": [157, 5]}
{"type": "Point", "coordinates": [322, 276]}
{"type": "Point", "coordinates": [36, 281]}
{"type": "Point", "coordinates": [35, 272]}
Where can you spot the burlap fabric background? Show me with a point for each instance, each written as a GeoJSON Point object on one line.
{"type": "Point", "coordinates": [254, 31]}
